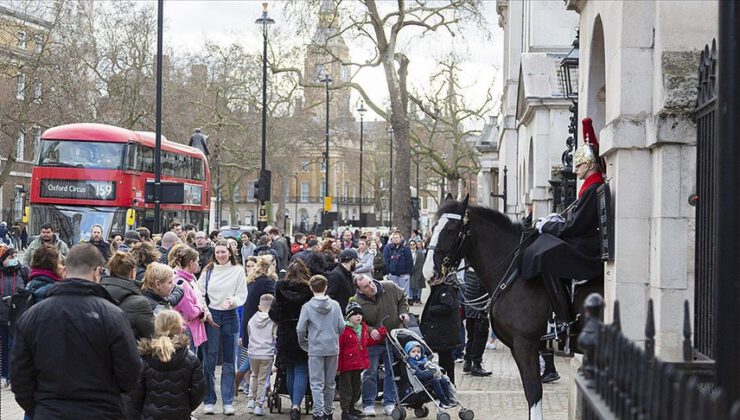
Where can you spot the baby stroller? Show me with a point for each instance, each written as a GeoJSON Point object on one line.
{"type": "Point", "coordinates": [279, 388]}
{"type": "Point", "coordinates": [409, 390]}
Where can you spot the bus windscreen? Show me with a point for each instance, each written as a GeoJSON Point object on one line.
{"type": "Point", "coordinates": [81, 154]}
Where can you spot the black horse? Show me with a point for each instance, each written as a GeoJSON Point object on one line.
{"type": "Point", "coordinates": [488, 240]}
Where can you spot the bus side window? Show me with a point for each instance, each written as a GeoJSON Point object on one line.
{"type": "Point", "coordinates": [147, 159]}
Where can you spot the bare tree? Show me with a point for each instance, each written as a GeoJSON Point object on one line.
{"type": "Point", "coordinates": [381, 28]}
{"type": "Point", "coordinates": [441, 137]}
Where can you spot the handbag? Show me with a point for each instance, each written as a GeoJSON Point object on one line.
{"type": "Point", "coordinates": [208, 278]}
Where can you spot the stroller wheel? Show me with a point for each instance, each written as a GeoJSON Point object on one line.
{"type": "Point", "coordinates": [278, 403]}
{"type": "Point", "coordinates": [398, 413]}
{"type": "Point", "coordinates": [466, 414]}
{"type": "Point", "coordinates": [443, 416]}
{"type": "Point", "coordinates": [421, 412]}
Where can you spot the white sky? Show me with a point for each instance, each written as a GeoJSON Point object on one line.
{"type": "Point", "coordinates": [189, 22]}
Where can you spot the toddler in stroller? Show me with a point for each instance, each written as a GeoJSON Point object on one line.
{"type": "Point", "coordinates": [430, 374]}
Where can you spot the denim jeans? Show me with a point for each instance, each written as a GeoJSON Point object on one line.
{"type": "Point", "coordinates": [226, 333]}
{"type": "Point", "coordinates": [370, 377]}
{"type": "Point", "coordinates": [402, 281]}
{"type": "Point", "coordinates": [296, 374]}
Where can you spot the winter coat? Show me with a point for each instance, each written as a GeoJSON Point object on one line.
{"type": "Point", "coordinates": [379, 268]}
{"type": "Point", "coordinates": [156, 303]}
{"type": "Point", "coordinates": [36, 244]}
{"type": "Point", "coordinates": [353, 349]}
{"type": "Point", "coordinates": [12, 279]}
{"type": "Point", "coordinates": [365, 266]}
{"type": "Point", "coordinates": [340, 287]}
{"type": "Point", "coordinates": [286, 308]}
{"type": "Point", "coordinates": [205, 255]}
{"type": "Point", "coordinates": [319, 326]}
{"type": "Point", "coordinates": [74, 354]}
{"type": "Point", "coordinates": [314, 261]}
{"type": "Point", "coordinates": [296, 248]}
{"type": "Point", "coordinates": [280, 246]}
{"type": "Point", "coordinates": [247, 250]}
{"type": "Point", "coordinates": [417, 277]}
{"type": "Point", "coordinates": [390, 300]}
{"type": "Point", "coordinates": [103, 247]}
{"type": "Point", "coordinates": [132, 303]}
{"type": "Point", "coordinates": [40, 282]}
{"type": "Point", "coordinates": [440, 319]}
{"type": "Point", "coordinates": [191, 306]}
{"type": "Point", "coordinates": [261, 286]}
{"type": "Point", "coordinates": [398, 259]}
{"type": "Point", "coordinates": [169, 390]}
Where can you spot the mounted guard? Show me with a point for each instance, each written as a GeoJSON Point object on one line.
{"type": "Point", "coordinates": [569, 247]}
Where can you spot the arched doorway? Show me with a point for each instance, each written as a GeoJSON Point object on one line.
{"type": "Point", "coordinates": [596, 80]}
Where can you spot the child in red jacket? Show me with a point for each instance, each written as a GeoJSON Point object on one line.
{"type": "Point", "coordinates": [353, 358]}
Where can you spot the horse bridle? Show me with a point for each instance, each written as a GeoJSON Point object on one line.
{"type": "Point", "coordinates": [451, 261]}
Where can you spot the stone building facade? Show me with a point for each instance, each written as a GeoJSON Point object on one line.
{"type": "Point", "coordinates": [638, 82]}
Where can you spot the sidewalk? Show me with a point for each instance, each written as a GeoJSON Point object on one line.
{"type": "Point", "coordinates": [498, 396]}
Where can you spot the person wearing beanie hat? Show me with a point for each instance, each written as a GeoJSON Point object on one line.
{"type": "Point", "coordinates": [353, 358]}
{"type": "Point", "coordinates": [13, 278]}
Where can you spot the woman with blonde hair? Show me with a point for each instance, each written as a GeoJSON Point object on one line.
{"type": "Point", "coordinates": [184, 260]}
{"type": "Point", "coordinates": [168, 365]}
{"type": "Point", "coordinates": [223, 285]}
{"type": "Point", "coordinates": [158, 287]}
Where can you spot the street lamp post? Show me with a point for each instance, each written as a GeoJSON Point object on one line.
{"type": "Point", "coordinates": [326, 80]}
{"type": "Point", "coordinates": [361, 110]}
{"type": "Point", "coordinates": [390, 200]}
{"type": "Point", "coordinates": [264, 187]}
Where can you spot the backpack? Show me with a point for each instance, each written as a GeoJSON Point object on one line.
{"type": "Point", "coordinates": [20, 302]}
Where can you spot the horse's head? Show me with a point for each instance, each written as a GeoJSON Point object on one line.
{"type": "Point", "coordinates": [448, 236]}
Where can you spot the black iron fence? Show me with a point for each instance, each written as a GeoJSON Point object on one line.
{"type": "Point", "coordinates": [705, 323]}
{"type": "Point", "coordinates": [621, 380]}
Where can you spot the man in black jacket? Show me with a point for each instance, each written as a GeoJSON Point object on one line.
{"type": "Point", "coordinates": [74, 352]}
{"type": "Point", "coordinates": [476, 326]}
{"type": "Point", "coordinates": [341, 287]}
{"type": "Point", "coordinates": [96, 239]}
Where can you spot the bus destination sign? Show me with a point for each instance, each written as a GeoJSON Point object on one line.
{"type": "Point", "coordinates": [78, 189]}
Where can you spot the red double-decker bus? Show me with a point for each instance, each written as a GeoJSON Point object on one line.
{"type": "Point", "coordinates": [86, 174]}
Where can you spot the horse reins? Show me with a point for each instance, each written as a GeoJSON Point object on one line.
{"type": "Point", "coordinates": [484, 302]}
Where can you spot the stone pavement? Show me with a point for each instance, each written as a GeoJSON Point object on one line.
{"type": "Point", "coordinates": [498, 396]}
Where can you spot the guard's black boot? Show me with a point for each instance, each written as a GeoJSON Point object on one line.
{"type": "Point", "coordinates": [467, 366]}
{"type": "Point", "coordinates": [478, 370]}
{"type": "Point", "coordinates": [559, 304]}
{"type": "Point", "coordinates": [550, 374]}
{"type": "Point", "coordinates": [347, 415]}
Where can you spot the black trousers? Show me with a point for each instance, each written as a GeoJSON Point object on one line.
{"type": "Point", "coordinates": [349, 389]}
{"type": "Point", "coordinates": [447, 362]}
{"type": "Point", "coordinates": [477, 331]}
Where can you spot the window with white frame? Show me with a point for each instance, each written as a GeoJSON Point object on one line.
{"type": "Point", "coordinates": [20, 145]}
{"type": "Point", "coordinates": [304, 191]}
{"type": "Point", "coordinates": [21, 90]}
{"type": "Point", "coordinates": [36, 90]}
{"type": "Point", "coordinates": [21, 39]}
{"type": "Point", "coordinates": [250, 190]}
{"type": "Point", "coordinates": [38, 41]}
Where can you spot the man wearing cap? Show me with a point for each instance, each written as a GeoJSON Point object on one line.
{"type": "Point", "coordinates": [341, 287]}
{"type": "Point", "coordinates": [130, 238]}
{"type": "Point", "coordinates": [46, 236]}
{"type": "Point", "coordinates": [569, 247]}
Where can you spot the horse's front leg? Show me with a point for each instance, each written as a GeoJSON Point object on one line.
{"type": "Point", "coordinates": [526, 355]}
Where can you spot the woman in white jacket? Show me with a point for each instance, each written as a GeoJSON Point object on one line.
{"type": "Point", "coordinates": [223, 285]}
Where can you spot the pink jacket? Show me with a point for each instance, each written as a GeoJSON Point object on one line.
{"type": "Point", "coordinates": [190, 307]}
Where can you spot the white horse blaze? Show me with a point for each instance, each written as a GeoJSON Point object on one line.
{"type": "Point", "coordinates": [428, 269]}
{"type": "Point", "coordinates": [535, 411]}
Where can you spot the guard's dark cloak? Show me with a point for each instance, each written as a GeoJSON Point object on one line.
{"type": "Point", "coordinates": [569, 249]}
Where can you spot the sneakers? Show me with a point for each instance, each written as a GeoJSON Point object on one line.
{"type": "Point", "coordinates": [229, 410]}
{"type": "Point", "coordinates": [209, 409]}
{"type": "Point", "coordinates": [368, 411]}
{"type": "Point", "coordinates": [388, 409]}
{"type": "Point", "coordinates": [446, 404]}
{"type": "Point", "coordinates": [250, 404]}
{"type": "Point", "coordinates": [259, 411]}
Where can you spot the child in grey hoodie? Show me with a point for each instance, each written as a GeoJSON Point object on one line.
{"type": "Point", "coordinates": [319, 327]}
{"type": "Point", "coordinates": [261, 351]}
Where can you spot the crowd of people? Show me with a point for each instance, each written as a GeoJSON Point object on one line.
{"type": "Point", "coordinates": [136, 325]}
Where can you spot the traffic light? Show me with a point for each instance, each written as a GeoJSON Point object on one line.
{"type": "Point", "coordinates": [262, 186]}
